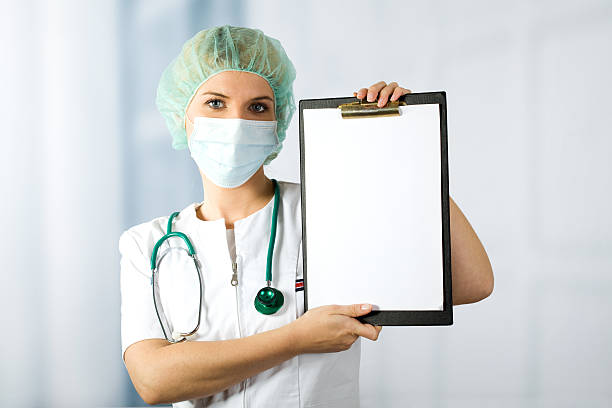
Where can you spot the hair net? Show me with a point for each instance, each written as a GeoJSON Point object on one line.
{"type": "Point", "coordinates": [219, 49]}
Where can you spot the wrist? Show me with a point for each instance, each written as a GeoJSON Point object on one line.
{"type": "Point", "coordinates": [292, 338]}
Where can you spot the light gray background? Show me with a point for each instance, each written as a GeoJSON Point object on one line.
{"type": "Point", "coordinates": [85, 155]}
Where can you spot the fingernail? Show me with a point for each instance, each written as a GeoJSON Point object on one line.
{"type": "Point", "coordinates": [365, 306]}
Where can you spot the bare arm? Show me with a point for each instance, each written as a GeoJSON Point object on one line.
{"type": "Point", "coordinates": [471, 270]}
{"type": "Point", "coordinates": [164, 372]}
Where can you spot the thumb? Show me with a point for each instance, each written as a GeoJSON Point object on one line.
{"type": "Point", "coordinates": [358, 309]}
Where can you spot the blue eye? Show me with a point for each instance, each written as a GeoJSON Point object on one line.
{"type": "Point", "coordinates": [215, 103]}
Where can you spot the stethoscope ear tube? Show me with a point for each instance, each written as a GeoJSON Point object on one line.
{"type": "Point", "coordinates": [176, 336]}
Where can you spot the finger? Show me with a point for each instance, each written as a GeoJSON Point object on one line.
{"type": "Point", "coordinates": [376, 328]}
{"type": "Point", "coordinates": [385, 92]}
{"type": "Point", "coordinates": [362, 93]}
{"type": "Point", "coordinates": [365, 330]}
{"type": "Point", "coordinates": [355, 310]}
{"type": "Point", "coordinates": [399, 91]}
{"type": "Point", "coordinates": [374, 90]}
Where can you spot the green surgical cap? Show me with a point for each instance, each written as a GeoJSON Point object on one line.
{"type": "Point", "coordinates": [219, 49]}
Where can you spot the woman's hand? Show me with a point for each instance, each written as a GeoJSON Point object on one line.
{"type": "Point", "coordinates": [332, 328]}
{"type": "Point", "coordinates": [382, 91]}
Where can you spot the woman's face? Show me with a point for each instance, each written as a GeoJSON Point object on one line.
{"type": "Point", "coordinates": [232, 94]}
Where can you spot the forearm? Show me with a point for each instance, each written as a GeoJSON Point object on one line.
{"type": "Point", "coordinates": [471, 270]}
{"type": "Point", "coordinates": [194, 369]}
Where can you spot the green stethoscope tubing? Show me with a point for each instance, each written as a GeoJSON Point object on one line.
{"type": "Point", "coordinates": [268, 299]}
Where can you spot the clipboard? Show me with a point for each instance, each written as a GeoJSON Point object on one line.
{"type": "Point", "coordinates": [375, 208]}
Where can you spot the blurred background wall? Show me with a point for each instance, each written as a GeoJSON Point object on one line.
{"type": "Point", "coordinates": [85, 155]}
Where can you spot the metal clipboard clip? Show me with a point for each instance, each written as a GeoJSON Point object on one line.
{"type": "Point", "coordinates": [361, 109]}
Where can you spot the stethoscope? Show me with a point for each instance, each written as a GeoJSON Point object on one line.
{"type": "Point", "coordinates": [267, 301]}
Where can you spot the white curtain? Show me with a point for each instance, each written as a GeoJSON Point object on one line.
{"type": "Point", "coordinates": [61, 203]}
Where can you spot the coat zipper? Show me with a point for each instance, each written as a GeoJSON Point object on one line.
{"type": "Point", "coordinates": [235, 285]}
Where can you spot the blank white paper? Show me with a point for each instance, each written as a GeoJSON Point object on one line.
{"type": "Point", "coordinates": [373, 209]}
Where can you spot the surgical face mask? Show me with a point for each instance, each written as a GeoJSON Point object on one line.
{"type": "Point", "coordinates": [230, 151]}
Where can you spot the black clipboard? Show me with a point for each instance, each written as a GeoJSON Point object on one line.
{"type": "Point", "coordinates": [384, 317]}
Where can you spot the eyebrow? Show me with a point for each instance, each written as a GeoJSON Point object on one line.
{"type": "Point", "coordinates": [225, 96]}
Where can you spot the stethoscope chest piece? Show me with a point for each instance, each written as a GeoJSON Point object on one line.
{"type": "Point", "coordinates": [269, 300]}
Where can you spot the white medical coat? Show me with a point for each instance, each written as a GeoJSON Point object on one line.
{"type": "Point", "coordinates": [308, 380]}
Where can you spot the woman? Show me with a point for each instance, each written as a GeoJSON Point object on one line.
{"type": "Point", "coordinates": [228, 97]}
